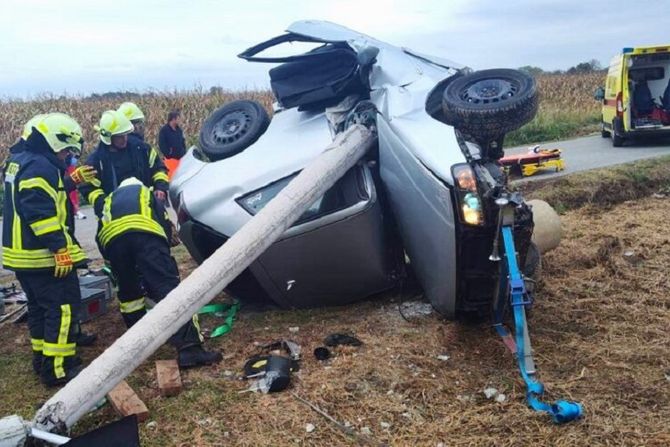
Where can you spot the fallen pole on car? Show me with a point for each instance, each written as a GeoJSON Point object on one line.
{"type": "Point", "coordinates": [140, 341]}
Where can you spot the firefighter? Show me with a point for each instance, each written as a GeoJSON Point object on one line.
{"type": "Point", "coordinates": [134, 235]}
{"type": "Point", "coordinates": [39, 247]}
{"type": "Point", "coordinates": [136, 117]}
{"type": "Point", "coordinates": [80, 175]}
{"type": "Point", "coordinates": [120, 156]}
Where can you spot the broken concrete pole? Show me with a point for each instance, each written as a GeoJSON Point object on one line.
{"type": "Point", "coordinates": [547, 233]}
{"type": "Point", "coordinates": [13, 432]}
{"type": "Point", "coordinates": [204, 283]}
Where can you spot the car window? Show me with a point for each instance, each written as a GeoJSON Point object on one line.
{"type": "Point", "coordinates": [346, 192]}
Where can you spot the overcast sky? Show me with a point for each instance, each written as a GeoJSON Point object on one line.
{"type": "Point", "coordinates": [84, 46]}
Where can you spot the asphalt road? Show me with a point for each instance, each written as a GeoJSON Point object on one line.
{"type": "Point", "coordinates": [580, 154]}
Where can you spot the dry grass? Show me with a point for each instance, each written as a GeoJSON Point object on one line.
{"type": "Point", "coordinates": [599, 328]}
{"type": "Point", "coordinates": [603, 187]}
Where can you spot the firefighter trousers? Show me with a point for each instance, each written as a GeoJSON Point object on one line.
{"type": "Point", "coordinates": [53, 321]}
{"type": "Point", "coordinates": [144, 267]}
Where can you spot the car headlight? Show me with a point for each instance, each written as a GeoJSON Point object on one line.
{"type": "Point", "coordinates": [469, 201]}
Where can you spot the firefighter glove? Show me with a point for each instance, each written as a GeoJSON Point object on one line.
{"type": "Point", "coordinates": [64, 264]}
{"type": "Point", "coordinates": [84, 174]}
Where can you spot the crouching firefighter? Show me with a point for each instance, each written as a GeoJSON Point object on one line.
{"type": "Point", "coordinates": [39, 246]}
{"type": "Point", "coordinates": [134, 236]}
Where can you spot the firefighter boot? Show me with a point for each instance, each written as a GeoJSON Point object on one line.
{"type": "Point", "coordinates": [195, 355]}
{"type": "Point", "coordinates": [84, 339]}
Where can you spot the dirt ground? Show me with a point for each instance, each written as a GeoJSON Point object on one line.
{"type": "Point", "coordinates": [599, 326]}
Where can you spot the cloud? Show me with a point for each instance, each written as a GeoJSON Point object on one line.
{"type": "Point", "coordinates": [84, 46]}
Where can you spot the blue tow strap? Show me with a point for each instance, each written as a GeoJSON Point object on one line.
{"type": "Point", "coordinates": [562, 411]}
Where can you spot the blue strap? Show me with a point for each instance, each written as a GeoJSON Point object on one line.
{"type": "Point", "coordinates": [562, 411]}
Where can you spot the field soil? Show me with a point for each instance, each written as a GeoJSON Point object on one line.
{"type": "Point", "coordinates": [599, 326]}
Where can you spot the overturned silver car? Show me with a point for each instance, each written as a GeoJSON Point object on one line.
{"type": "Point", "coordinates": [421, 203]}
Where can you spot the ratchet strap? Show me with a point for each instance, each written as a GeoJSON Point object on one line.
{"type": "Point", "coordinates": [561, 411]}
{"type": "Point", "coordinates": [227, 311]}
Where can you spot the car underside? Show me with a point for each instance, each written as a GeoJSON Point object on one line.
{"type": "Point", "coordinates": [422, 202]}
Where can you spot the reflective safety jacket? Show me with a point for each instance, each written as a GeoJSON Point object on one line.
{"type": "Point", "coordinates": [132, 208]}
{"type": "Point", "coordinates": [37, 213]}
{"type": "Point", "coordinates": [147, 166]}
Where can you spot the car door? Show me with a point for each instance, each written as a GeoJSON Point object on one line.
{"type": "Point", "coordinates": [340, 251]}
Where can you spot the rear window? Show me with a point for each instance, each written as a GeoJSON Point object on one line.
{"type": "Point", "coordinates": [646, 74]}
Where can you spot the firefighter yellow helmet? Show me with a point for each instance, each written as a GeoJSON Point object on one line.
{"type": "Point", "coordinates": [113, 123]}
{"type": "Point", "coordinates": [60, 131]}
{"type": "Point", "coordinates": [131, 111]}
{"type": "Point", "coordinates": [32, 122]}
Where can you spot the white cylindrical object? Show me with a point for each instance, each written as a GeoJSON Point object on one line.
{"type": "Point", "coordinates": [204, 283]}
{"type": "Point", "coordinates": [13, 431]}
{"type": "Point", "coordinates": [547, 233]}
{"type": "Point", "coordinates": [51, 438]}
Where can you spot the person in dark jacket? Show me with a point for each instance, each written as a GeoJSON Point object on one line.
{"type": "Point", "coordinates": [171, 137]}
{"type": "Point", "coordinates": [135, 234]}
{"type": "Point", "coordinates": [71, 181]}
{"type": "Point", "coordinates": [39, 246]}
{"type": "Point", "coordinates": [120, 156]}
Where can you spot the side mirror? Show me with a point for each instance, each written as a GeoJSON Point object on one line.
{"type": "Point", "coordinates": [599, 94]}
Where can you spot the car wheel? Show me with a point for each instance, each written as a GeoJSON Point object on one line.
{"type": "Point", "coordinates": [604, 132]}
{"type": "Point", "coordinates": [533, 266]}
{"type": "Point", "coordinates": [488, 104]}
{"type": "Point", "coordinates": [617, 140]}
{"type": "Point", "coordinates": [232, 128]}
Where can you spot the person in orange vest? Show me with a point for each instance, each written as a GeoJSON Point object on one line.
{"type": "Point", "coordinates": [171, 142]}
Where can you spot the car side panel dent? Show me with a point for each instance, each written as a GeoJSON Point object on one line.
{"type": "Point", "coordinates": [423, 208]}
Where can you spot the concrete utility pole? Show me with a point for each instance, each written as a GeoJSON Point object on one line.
{"type": "Point", "coordinates": [140, 341]}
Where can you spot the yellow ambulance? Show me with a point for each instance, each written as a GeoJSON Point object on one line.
{"type": "Point", "coordinates": [636, 97]}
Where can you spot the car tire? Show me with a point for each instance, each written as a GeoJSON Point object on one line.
{"type": "Point", "coordinates": [533, 266]}
{"type": "Point", "coordinates": [488, 104]}
{"type": "Point", "coordinates": [617, 139]}
{"type": "Point", "coordinates": [604, 132]}
{"type": "Point", "coordinates": [232, 128]}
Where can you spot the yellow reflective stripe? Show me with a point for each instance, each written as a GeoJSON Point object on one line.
{"type": "Point", "coordinates": [61, 208]}
{"type": "Point", "coordinates": [160, 176]}
{"type": "Point", "coordinates": [65, 321]}
{"type": "Point", "coordinates": [93, 195]}
{"type": "Point", "coordinates": [38, 182]}
{"type": "Point", "coordinates": [196, 323]}
{"type": "Point", "coordinates": [44, 226]}
{"type": "Point", "coordinates": [145, 203]}
{"type": "Point", "coordinates": [17, 241]}
{"type": "Point", "coordinates": [37, 259]}
{"type": "Point", "coordinates": [153, 155]}
{"type": "Point", "coordinates": [132, 306]}
{"type": "Point", "coordinates": [37, 344]}
{"type": "Point", "coordinates": [62, 348]}
{"type": "Point", "coordinates": [129, 223]}
{"type": "Point", "coordinates": [56, 349]}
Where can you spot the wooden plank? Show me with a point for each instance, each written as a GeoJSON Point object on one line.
{"type": "Point", "coordinates": [126, 402]}
{"type": "Point", "coordinates": [140, 341]}
{"type": "Point", "coordinates": [169, 380]}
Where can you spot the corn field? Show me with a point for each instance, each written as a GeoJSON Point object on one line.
{"type": "Point", "coordinates": [195, 106]}
{"type": "Point", "coordinates": [567, 108]}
